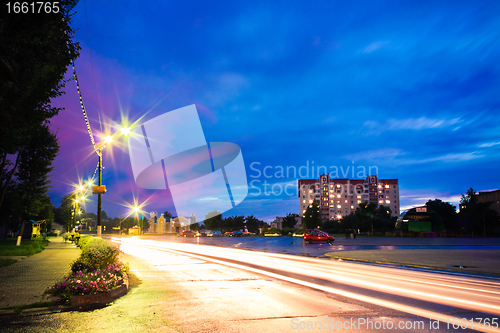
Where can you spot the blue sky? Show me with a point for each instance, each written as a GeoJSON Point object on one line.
{"type": "Point", "coordinates": [409, 87]}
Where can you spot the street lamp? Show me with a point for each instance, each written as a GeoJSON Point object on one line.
{"type": "Point", "coordinates": [99, 147]}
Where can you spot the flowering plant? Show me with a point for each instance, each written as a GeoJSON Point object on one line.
{"type": "Point", "coordinates": [87, 281]}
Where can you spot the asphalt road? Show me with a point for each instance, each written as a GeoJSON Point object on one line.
{"type": "Point", "coordinates": [428, 295]}
{"type": "Point", "coordinates": [249, 292]}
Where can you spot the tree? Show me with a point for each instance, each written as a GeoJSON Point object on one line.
{"type": "Point", "coordinates": [35, 50]}
{"type": "Point", "coordinates": [233, 223]}
{"type": "Point", "coordinates": [213, 220]}
{"type": "Point", "coordinates": [253, 223]}
{"type": "Point", "coordinates": [469, 196]}
{"type": "Point", "coordinates": [32, 174]}
{"type": "Point", "coordinates": [194, 226]}
{"type": "Point", "coordinates": [446, 211]}
{"type": "Point", "coordinates": [365, 213]}
{"type": "Point", "coordinates": [289, 221]}
{"type": "Point", "coordinates": [383, 221]}
{"type": "Point", "coordinates": [349, 222]}
{"type": "Point", "coordinates": [312, 216]}
{"type": "Point", "coordinates": [167, 214]}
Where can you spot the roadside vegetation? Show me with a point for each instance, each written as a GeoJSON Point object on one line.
{"type": "Point", "coordinates": [6, 262]}
{"type": "Point", "coordinates": [27, 248]}
{"type": "Point", "coordinates": [97, 270]}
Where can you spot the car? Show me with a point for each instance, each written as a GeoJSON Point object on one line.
{"type": "Point", "coordinates": [215, 233]}
{"type": "Point", "coordinates": [201, 234]}
{"type": "Point", "coordinates": [316, 235]}
{"type": "Point", "coordinates": [188, 233]}
{"type": "Point", "coordinates": [236, 233]}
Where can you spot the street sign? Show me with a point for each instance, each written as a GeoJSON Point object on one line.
{"type": "Point", "coordinates": [99, 189]}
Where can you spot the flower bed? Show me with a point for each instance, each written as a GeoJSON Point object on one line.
{"type": "Point", "coordinates": [97, 272]}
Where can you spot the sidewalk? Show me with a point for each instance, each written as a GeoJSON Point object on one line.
{"type": "Point", "coordinates": [471, 261]}
{"type": "Point", "coordinates": [25, 281]}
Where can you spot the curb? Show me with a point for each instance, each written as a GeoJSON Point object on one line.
{"type": "Point", "coordinates": [465, 270]}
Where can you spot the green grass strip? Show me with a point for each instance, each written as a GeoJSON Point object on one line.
{"type": "Point", "coordinates": [6, 262]}
{"type": "Point", "coordinates": [27, 248]}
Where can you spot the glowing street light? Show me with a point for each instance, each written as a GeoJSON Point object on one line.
{"type": "Point", "coordinates": [99, 147]}
{"type": "Point", "coordinates": [125, 131]}
{"type": "Point", "coordinates": [108, 139]}
{"type": "Point", "coordinates": [80, 188]}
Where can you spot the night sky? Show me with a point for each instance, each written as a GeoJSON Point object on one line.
{"type": "Point", "coordinates": [409, 88]}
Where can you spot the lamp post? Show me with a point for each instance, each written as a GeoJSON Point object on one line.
{"type": "Point", "coordinates": [99, 203]}
{"type": "Point", "coordinates": [136, 210]}
{"type": "Point", "coordinates": [99, 148]}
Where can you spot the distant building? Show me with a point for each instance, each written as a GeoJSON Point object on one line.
{"type": "Point", "coordinates": [278, 222]}
{"type": "Point", "coordinates": [340, 197]}
{"type": "Point", "coordinates": [56, 228]}
{"type": "Point", "coordinates": [174, 225]}
{"type": "Point", "coordinates": [490, 196]}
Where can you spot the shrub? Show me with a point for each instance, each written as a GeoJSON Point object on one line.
{"type": "Point", "coordinates": [79, 265]}
{"type": "Point", "coordinates": [99, 253]}
{"type": "Point", "coordinates": [90, 281]}
{"type": "Point", "coordinates": [84, 241]}
{"type": "Point", "coordinates": [273, 231]}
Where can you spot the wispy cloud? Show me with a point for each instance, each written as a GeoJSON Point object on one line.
{"type": "Point", "coordinates": [375, 46]}
{"type": "Point", "coordinates": [416, 124]}
{"type": "Point", "coordinates": [488, 144]}
{"type": "Point", "coordinates": [375, 154]}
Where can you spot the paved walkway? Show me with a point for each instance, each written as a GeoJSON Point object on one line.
{"type": "Point", "coordinates": [472, 261]}
{"type": "Point", "coordinates": [25, 281]}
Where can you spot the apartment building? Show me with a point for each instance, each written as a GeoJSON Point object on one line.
{"type": "Point", "coordinates": [339, 197]}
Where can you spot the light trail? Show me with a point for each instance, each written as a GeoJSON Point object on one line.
{"type": "Point", "coordinates": [462, 292]}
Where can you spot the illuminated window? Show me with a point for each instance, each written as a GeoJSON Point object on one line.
{"type": "Point", "coordinates": [387, 186]}
{"type": "Point", "coordinates": [346, 201]}
{"type": "Point", "coordinates": [352, 207]}
{"type": "Point", "coordinates": [338, 186]}
{"type": "Point", "coordinates": [310, 191]}
{"type": "Point", "coordinates": [310, 201]}
{"type": "Point", "coordinates": [359, 201]}
{"type": "Point", "coordinates": [304, 201]}
{"type": "Point", "coordinates": [338, 206]}
{"type": "Point", "coordinates": [359, 197]}
{"type": "Point", "coordinates": [381, 201]}
{"type": "Point", "coordinates": [338, 195]}
{"type": "Point", "coordinates": [388, 201]}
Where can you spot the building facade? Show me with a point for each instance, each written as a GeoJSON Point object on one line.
{"type": "Point", "coordinates": [490, 196]}
{"type": "Point", "coordinates": [339, 197]}
{"type": "Point", "coordinates": [278, 222]}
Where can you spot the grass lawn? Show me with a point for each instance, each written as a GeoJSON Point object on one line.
{"type": "Point", "coordinates": [6, 262]}
{"type": "Point", "coordinates": [27, 248]}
